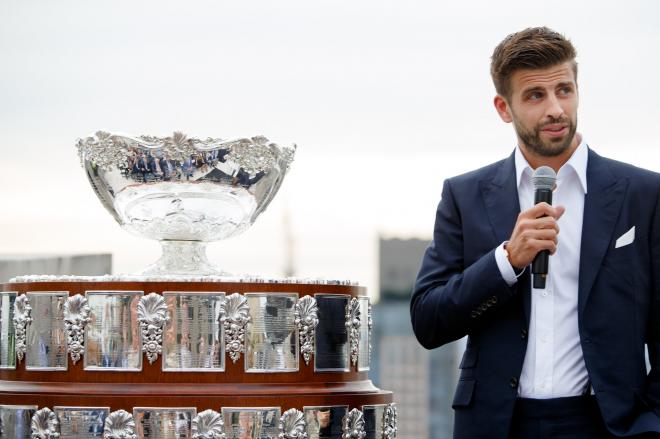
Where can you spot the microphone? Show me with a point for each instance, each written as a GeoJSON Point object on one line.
{"type": "Point", "coordinates": [543, 179]}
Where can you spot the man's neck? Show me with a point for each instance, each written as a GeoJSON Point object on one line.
{"type": "Point", "coordinates": [556, 162]}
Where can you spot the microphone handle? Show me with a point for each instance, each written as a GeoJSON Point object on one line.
{"type": "Point", "coordinates": [540, 264]}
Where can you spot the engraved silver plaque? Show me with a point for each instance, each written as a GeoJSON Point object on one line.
{"type": "Point", "coordinates": [331, 333]}
{"type": "Point", "coordinates": [7, 332]}
{"type": "Point", "coordinates": [15, 421]}
{"type": "Point", "coordinates": [271, 336]}
{"type": "Point", "coordinates": [81, 422]}
{"type": "Point", "coordinates": [374, 416]}
{"type": "Point", "coordinates": [193, 338]}
{"type": "Point", "coordinates": [251, 423]}
{"type": "Point", "coordinates": [46, 336]}
{"type": "Point", "coordinates": [325, 422]}
{"type": "Point", "coordinates": [113, 334]}
{"type": "Point", "coordinates": [364, 343]}
{"type": "Point", "coordinates": [163, 423]}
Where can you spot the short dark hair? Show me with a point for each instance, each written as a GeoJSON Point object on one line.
{"type": "Point", "coordinates": [531, 48]}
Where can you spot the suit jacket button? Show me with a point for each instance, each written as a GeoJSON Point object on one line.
{"type": "Point", "coordinates": [514, 382]}
{"type": "Point", "coordinates": [523, 334]}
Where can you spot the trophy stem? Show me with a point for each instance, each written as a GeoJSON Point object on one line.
{"type": "Point", "coordinates": [182, 258]}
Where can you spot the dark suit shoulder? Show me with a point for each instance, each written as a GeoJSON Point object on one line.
{"type": "Point", "coordinates": [639, 177]}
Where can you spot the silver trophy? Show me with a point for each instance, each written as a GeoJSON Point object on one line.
{"type": "Point", "coordinates": [183, 191]}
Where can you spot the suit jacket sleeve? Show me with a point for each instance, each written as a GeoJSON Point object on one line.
{"type": "Point", "coordinates": [451, 296]}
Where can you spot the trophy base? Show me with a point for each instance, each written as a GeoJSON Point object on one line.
{"type": "Point", "coordinates": [182, 258]}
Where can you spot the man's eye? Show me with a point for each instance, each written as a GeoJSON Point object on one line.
{"type": "Point", "coordinates": [535, 95]}
{"type": "Point", "coordinates": [565, 90]}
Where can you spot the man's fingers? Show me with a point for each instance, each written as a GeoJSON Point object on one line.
{"type": "Point", "coordinates": [543, 209]}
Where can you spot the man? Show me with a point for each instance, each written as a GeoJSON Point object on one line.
{"type": "Point", "coordinates": [567, 360]}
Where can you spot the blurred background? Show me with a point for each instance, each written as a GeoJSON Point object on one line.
{"type": "Point", "coordinates": [385, 99]}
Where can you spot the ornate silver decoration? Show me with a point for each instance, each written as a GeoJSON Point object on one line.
{"type": "Point", "coordinates": [370, 325]}
{"type": "Point", "coordinates": [152, 315]}
{"type": "Point", "coordinates": [235, 315]}
{"type": "Point", "coordinates": [353, 323]}
{"type": "Point", "coordinates": [22, 318]}
{"type": "Point", "coordinates": [76, 317]}
{"type": "Point", "coordinates": [253, 155]}
{"type": "Point", "coordinates": [45, 424]}
{"type": "Point", "coordinates": [353, 425]}
{"type": "Point", "coordinates": [306, 318]}
{"type": "Point", "coordinates": [181, 278]}
{"type": "Point", "coordinates": [208, 425]}
{"type": "Point", "coordinates": [292, 425]}
{"type": "Point", "coordinates": [390, 422]}
{"type": "Point", "coordinates": [119, 425]}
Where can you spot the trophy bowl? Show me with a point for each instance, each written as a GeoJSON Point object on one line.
{"type": "Point", "coordinates": [183, 191]}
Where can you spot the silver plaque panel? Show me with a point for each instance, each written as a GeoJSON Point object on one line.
{"type": "Point", "coordinates": [332, 347]}
{"type": "Point", "coordinates": [163, 423]}
{"type": "Point", "coordinates": [373, 420]}
{"type": "Point", "coordinates": [113, 334]}
{"type": "Point", "coordinates": [7, 333]}
{"type": "Point", "coordinates": [325, 422]}
{"type": "Point", "coordinates": [363, 347]}
{"type": "Point", "coordinates": [194, 338]}
{"type": "Point", "coordinates": [251, 423]}
{"type": "Point", "coordinates": [81, 422]}
{"type": "Point", "coordinates": [271, 336]}
{"type": "Point", "coordinates": [15, 421]}
{"type": "Point", "coordinates": [46, 336]}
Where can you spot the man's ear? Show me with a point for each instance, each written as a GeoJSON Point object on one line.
{"type": "Point", "coordinates": [502, 108]}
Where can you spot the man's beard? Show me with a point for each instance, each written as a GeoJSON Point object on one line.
{"type": "Point", "coordinates": [551, 147]}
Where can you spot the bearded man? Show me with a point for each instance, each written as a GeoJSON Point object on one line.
{"type": "Point", "coordinates": [566, 360]}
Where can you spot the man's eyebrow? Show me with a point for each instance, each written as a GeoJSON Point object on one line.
{"type": "Point", "coordinates": [531, 89]}
{"type": "Point", "coordinates": [565, 84]}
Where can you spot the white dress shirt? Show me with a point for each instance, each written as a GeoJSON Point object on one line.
{"type": "Point", "coordinates": [554, 364]}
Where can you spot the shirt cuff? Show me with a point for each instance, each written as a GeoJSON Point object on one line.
{"type": "Point", "coordinates": [506, 269]}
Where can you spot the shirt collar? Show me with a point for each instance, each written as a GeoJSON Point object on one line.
{"type": "Point", "coordinates": [577, 162]}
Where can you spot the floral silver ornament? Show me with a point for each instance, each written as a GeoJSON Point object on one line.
{"type": "Point", "coordinates": [208, 425]}
{"type": "Point", "coordinates": [306, 319]}
{"type": "Point", "coordinates": [390, 422]}
{"type": "Point", "coordinates": [22, 317]}
{"type": "Point", "coordinates": [253, 155]}
{"type": "Point", "coordinates": [234, 316]}
{"type": "Point", "coordinates": [353, 323]}
{"type": "Point", "coordinates": [45, 425]}
{"type": "Point", "coordinates": [370, 325]}
{"type": "Point", "coordinates": [119, 425]}
{"type": "Point", "coordinates": [353, 425]}
{"type": "Point", "coordinates": [292, 425]}
{"type": "Point", "coordinates": [152, 315]}
{"type": "Point", "coordinates": [76, 317]}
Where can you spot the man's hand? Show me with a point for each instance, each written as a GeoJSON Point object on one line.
{"type": "Point", "coordinates": [536, 230]}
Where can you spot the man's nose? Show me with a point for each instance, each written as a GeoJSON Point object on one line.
{"type": "Point", "coordinates": [554, 109]}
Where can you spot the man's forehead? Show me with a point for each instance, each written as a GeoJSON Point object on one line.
{"type": "Point", "coordinates": [526, 78]}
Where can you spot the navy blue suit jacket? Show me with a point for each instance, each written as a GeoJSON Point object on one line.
{"type": "Point", "coordinates": [459, 291]}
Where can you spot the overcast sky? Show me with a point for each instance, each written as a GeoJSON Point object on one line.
{"type": "Point", "coordinates": [385, 99]}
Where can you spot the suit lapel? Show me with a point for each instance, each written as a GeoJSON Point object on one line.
{"type": "Point", "coordinates": [602, 205]}
{"type": "Point", "coordinates": [500, 197]}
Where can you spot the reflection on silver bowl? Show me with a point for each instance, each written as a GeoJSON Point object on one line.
{"type": "Point", "coordinates": [183, 191]}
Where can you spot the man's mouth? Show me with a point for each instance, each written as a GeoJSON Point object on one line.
{"type": "Point", "coordinates": [555, 130]}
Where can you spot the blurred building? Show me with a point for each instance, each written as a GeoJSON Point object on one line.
{"type": "Point", "coordinates": [79, 265]}
{"type": "Point", "coordinates": [423, 381]}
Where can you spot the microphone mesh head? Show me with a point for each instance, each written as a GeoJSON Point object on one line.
{"type": "Point", "coordinates": [544, 177]}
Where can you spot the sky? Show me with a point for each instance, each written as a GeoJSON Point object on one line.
{"type": "Point", "coordinates": [385, 99]}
